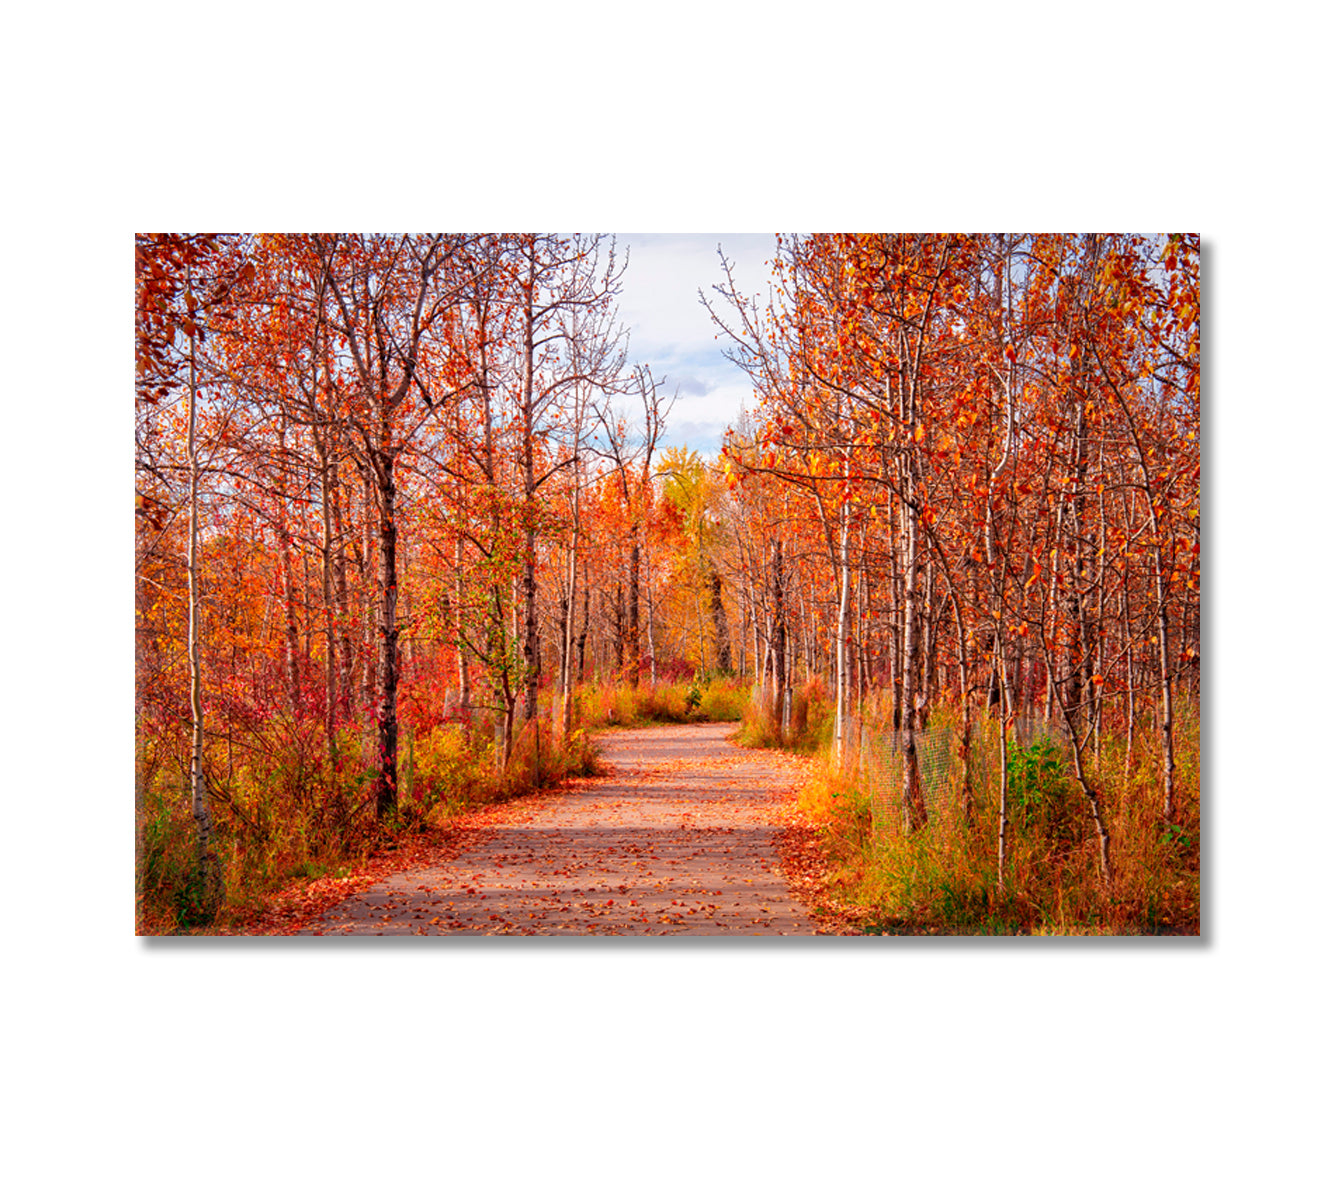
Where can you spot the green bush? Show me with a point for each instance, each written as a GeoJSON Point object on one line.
{"type": "Point", "coordinates": [1041, 797]}
{"type": "Point", "coordinates": [693, 697]}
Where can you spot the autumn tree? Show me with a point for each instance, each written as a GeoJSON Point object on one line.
{"type": "Point", "coordinates": [385, 295]}
{"type": "Point", "coordinates": [983, 432]}
{"type": "Point", "coordinates": [178, 281]}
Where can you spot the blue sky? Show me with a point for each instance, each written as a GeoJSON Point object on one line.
{"type": "Point", "coordinates": [671, 331]}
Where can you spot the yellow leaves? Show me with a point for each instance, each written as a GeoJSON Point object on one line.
{"type": "Point", "coordinates": [919, 433]}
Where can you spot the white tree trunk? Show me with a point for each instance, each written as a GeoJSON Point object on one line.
{"type": "Point", "coordinates": [209, 879]}
{"type": "Point", "coordinates": [841, 647]}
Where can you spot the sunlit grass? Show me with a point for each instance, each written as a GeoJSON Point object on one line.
{"type": "Point", "coordinates": [943, 878]}
{"type": "Point", "coordinates": [609, 705]}
{"type": "Point", "coordinates": [281, 813]}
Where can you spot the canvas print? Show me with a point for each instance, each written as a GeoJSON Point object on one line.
{"type": "Point", "coordinates": [667, 585]}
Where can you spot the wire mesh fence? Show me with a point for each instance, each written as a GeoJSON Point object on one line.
{"type": "Point", "coordinates": [875, 751]}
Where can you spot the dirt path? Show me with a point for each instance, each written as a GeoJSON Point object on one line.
{"type": "Point", "coordinates": [679, 839]}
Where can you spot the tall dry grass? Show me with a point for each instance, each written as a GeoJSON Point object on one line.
{"type": "Point", "coordinates": [810, 720]}
{"type": "Point", "coordinates": [283, 812]}
{"type": "Point", "coordinates": [944, 877]}
{"type": "Point", "coordinates": [705, 698]}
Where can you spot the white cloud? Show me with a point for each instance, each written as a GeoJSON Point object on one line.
{"type": "Point", "coordinates": [671, 330]}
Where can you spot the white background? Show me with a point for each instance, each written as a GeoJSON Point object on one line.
{"type": "Point", "coordinates": [887, 1067]}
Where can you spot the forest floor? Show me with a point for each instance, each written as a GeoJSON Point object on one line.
{"type": "Point", "coordinates": [686, 834]}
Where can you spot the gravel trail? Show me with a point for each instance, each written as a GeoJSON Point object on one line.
{"type": "Point", "coordinates": [678, 839]}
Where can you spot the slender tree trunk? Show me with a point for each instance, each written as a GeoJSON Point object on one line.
{"type": "Point", "coordinates": [1164, 684]}
{"type": "Point", "coordinates": [346, 651]}
{"type": "Point", "coordinates": [502, 693]}
{"type": "Point", "coordinates": [291, 651]}
{"type": "Point", "coordinates": [583, 629]}
{"type": "Point", "coordinates": [841, 730]}
{"type": "Point", "coordinates": [652, 635]}
{"type": "Point", "coordinates": [527, 450]}
{"type": "Point", "coordinates": [632, 634]}
{"type": "Point", "coordinates": [758, 667]}
{"type": "Point", "coordinates": [722, 640]}
{"type": "Point", "coordinates": [618, 641]}
{"type": "Point", "coordinates": [327, 591]}
{"type": "Point", "coordinates": [995, 568]}
{"type": "Point", "coordinates": [1003, 819]}
{"type": "Point", "coordinates": [385, 787]}
{"type": "Point", "coordinates": [405, 641]}
{"type": "Point", "coordinates": [1130, 673]}
{"type": "Point", "coordinates": [782, 686]}
{"type": "Point", "coordinates": [1052, 622]}
{"type": "Point", "coordinates": [896, 664]}
{"type": "Point", "coordinates": [465, 673]}
{"type": "Point", "coordinates": [1160, 622]}
{"type": "Point", "coordinates": [567, 646]}
{"type": "Point", "coordinates": [1090, 792]}
{"type": "Point", "coordinates": [914, 806]}
{"type": "Point", "coordinates": [370, 603]}
{"type": "Point", "coordinates": [209, 889]}
{"type": "Point", "coordinates": [966, 712]}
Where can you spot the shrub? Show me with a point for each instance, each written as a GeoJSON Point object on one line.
{"type": "Point", "coordinates": [445, 770]}
{"type": "Point", "coordinates": [722, 699]}
{"type": "Point", "coordinates": [605, 704]}
{"type": "Point", "coordinates": [668, 703]}
{"type": "Point", "coordinates": [165, 858]}
{"type": "Point", "coordinates": [703, 698]}
{"type": "Point", "coordinates": [173, 889]}
{"type": "Point", "coordinates": [1041, 798]}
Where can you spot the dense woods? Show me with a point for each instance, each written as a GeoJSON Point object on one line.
{"type": "Point", "coordinates": [407, 528]}
{"type": "Point", "coordinates": [972, 483]}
